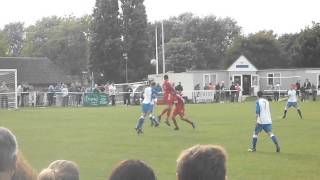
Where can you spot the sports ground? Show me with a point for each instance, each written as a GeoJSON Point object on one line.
{"type": "Point", "coordinates": [97, 138]}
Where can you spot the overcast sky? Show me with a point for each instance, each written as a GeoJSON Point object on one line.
{"type": "Point", "coordinates": [281, 16]}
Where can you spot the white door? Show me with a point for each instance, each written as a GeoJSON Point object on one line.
{"type": "Point", "coordinates": [255, 83]}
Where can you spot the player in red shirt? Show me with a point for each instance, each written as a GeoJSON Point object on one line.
{"type": "Point", "coordinates": [168, 90]}
{"type": "Point", "coordinates": [179, 110]}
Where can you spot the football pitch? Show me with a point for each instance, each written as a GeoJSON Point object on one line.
{"type": "Point", "coordinates": [97, 138]}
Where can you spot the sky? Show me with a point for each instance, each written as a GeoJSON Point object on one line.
{"type": "Point", "coordinates": [281, 16]}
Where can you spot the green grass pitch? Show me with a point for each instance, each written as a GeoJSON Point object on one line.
{"type": "Point", "coordinates": [98, 138]}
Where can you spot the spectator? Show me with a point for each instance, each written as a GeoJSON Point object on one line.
{"type": "Point", "coordinates": [217, 95]}
{"type": "Point", "coordinates": [59, 98]}
{"type": "Point", "coordinates": [238, 92]}
{"type": "Point", "coordinates": [298, 86]}
{"type": "Point", "coordinates": [197, 87]}
{"type": "Point", "coordinates": [179, 87]}
{"type": "Point", "coordinates": [126, 96]}
{"type": "Point", "coordinates": [60, 170]}
{"type": "Point", "coordinates": [12, 164]}
{"type": "Point", "coordinates": [65, 95]}
{"type": "Point", "coordinates": [79, 91]}
{"type": "Point", "coordinates": [19, 92]}
{"type": "Point", "coordinates": [3, 96]}
{"type": "Point", "coordinates": [205, 162]}
{"type": "Point", "coordinates": [303, 94]}
{"type": "Point", "coordinates": [50, 95]}
{"type": "Point", "coordinates": [222, 92]}
{"type": "Point", "coordinates": [314, 92]}
{"type": "Point", "coordinates": [132, 170]}
{"type": "Point", "coordinates": [23, 169]}
{"type": "Point", "coordinates": [232, 91]}
{"type": "Point", "coordinates": [112, 94]}
{"type": "Point", "coordinates": [210, 86]}
{"type": "Point", "coordinates": [307, 88]}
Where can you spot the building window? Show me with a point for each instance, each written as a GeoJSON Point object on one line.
{"type": "Point", "coordinates": [270, 79]}
{"type": "Point", "coordinates": [209, 78]}
{"type": "Point", "coordinates": [274, 79]}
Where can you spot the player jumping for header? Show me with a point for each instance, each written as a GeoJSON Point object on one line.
{"type": "Point", "coordinates": [264, 122]}
{"type": "Point", "coordinates": [167, 96]}
{"type": "Point", "coordinates": [292, 102]}
{"type": "Point", "coordinates": [179, 110]}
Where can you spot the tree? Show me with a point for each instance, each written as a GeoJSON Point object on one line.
{"type": "Point", "coordinates": [106, 44]}
{"type": "Point", "coordinates": [211, 36]}
{"type": "Point", "coordinates": [136, 42]}
{"type": "Point", "coordinates": [181, 54]}
{"type": "Point", "coordinates": [262, 49]}
{"type": "Point", "coordinates": [308, 47]}
{"type": "Point", "coordinates": [3, 44]}
{"type": "Point", "coordinates": [14, 34]}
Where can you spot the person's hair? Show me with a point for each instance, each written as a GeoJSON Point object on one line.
{"type": "Point", "coordinates": [153, 83]}
{"type": "Point", "coordinates": [23, 171]}
{"type": "Point", "coordinates": [205, 162]}
{"type": "Point", "coordinates": [60, 170]}
{"type": "Point", "coordinates": [165, 77]}
{"type": "Point", "coordinates": [8, 150]}
{"type": "Point", "coordinates": [132, 170]}
{"type": "Point", "coordinates": [260, 94]}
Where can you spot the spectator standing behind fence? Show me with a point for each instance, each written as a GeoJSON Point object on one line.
{"type": "Point", "coordinates": [19, 91]}
{"type": "Point", "coordinates": [307, 89]}
{"type": "Point", "coordinates": [3, 96]}
{"type": "Point", "coordinates": [50, 95]}
{"type": "Point", "coordinates": [126, 95]}
{"type": "Point", "coordinates": [217, 95]}
{"type": "Point", "coordinates": [179, 87]}
{"type": "Point", "coordinates": [65, 95]}
{"type": "Point", "coordinates": [222, 92]}
{"type": "Point", "coordinates": [298, 86]}
{"type": "Point", "coordinates": [238, 92]}
{"type": "Point", "coordinates": [232, 91]}
{"type": "Point", "coordinates": [112, 94]}
{"type": "Point", "coordinates": [314, 92]}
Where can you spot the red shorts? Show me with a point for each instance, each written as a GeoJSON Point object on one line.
{"type": "Point", "coordinates": [179, 112]}
{"type": "Point", "coordinates": [168, 100]}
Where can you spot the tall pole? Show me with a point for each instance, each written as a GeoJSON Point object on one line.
{"type": "Point", "coordinates": [163, 53]}
{"type": "Point", "coordinates": [157, 57]}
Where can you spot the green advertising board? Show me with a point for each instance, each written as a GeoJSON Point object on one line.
{"type": "Point", "coordinates": [94, 99]}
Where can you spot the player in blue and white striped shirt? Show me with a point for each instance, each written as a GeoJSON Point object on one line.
{"type": "Point", "coordinates": [263, 122]}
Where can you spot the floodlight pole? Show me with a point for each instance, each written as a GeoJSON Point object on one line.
{"type": "Point", "coordinates": [157, 58]}
{"type": "Point", "coordinates": [163, 53]}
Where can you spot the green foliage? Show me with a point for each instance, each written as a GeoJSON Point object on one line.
{"type": "Point", "coordinates": [309, 47]}
{"type": "Point", "coordinates": [262, 49]}
{"type": "Point", "coordinates": [211, 36]}
{"type": "Point", "coordinates": [14, 34]}
{"type": "Point", "coordinates": [105, 42]}
{"type": "Point", "coordinates": [181, 54]}
{"type": "Point", "coordinates": [98, 138]}
{"type": "Point", "coordinates": [3, 44]}
{"type": "Point", "coordinates": [136, 42]}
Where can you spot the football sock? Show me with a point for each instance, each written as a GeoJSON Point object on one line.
{"type": "Point", "coordinates": [175, 123]}
{"type": "Point", "coordinates": [254, 142]}
{"type": "Point", "coordinates": [300, 114]}
{"type": "Point", "coordinates": [274, 139]}
{"type": "Point", "coordinates": [140, 122]}
{"type": "Point", "coordinates": [284, 114]}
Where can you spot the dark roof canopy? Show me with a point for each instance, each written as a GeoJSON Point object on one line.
{"type": "Point", "coordinates": [35, 70]}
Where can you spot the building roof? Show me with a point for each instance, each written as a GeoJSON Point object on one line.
{"type": "Point", "coordinates": [242, 64]}
{"type": "Point", "coordinates": [35, 70]}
